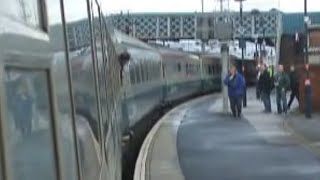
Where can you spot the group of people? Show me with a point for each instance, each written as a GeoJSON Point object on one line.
{"type": "Point", "coordinates": [267, 81]}
{"type": "Point", "coordinates": [282, 82]}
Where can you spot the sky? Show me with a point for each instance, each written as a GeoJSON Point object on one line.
{"type": "Point", "coordinates": [76, 9]}
{"type": "Point", "coordinates": [115, 6]}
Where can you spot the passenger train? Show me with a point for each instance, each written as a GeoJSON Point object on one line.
{"type": "Point", "coordinates": [74, 101]}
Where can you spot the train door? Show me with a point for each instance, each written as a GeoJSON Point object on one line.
{"type": "Point", "coordinates": [35, 123]}
{"type": "Point", "coordinates": [29, 126]}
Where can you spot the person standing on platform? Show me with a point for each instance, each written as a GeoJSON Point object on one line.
{"type": "Point", "coordinates": [236, 86]}
{"type": "Point", "coordinates": [264, 86]}
{"type": "Point", "coordinates": [294, 85]}
{"type": "Point", "coordinates": [282, 83]}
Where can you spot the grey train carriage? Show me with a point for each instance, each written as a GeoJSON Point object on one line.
{"type": "Point", "coordinates": [60, 92]}
{"type": "Point", "coordinates": [156, 76]}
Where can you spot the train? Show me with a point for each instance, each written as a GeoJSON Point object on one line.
{"type": "Point", "coordinates": [153, 78]}
{"type": "Point", "coordinates": [77, 94]}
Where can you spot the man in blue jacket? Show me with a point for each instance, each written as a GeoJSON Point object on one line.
{"type": "Point", "coordinates": [236, 84]}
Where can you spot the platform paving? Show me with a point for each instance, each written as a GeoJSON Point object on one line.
{"type": "Point", "coordinates": [199, 142]}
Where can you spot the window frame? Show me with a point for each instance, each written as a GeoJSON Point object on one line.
{"type": "Point", "coordinates": [43, 15]}
{"type": "Point", "coordinates": [94, 11]}
{"type": "Point", "coordinates": [29, 62]}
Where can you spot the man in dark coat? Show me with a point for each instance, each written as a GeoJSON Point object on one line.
{"type": "Point", "coordinates": [294, 85]}
{"type": "Point", "coordinates": [236, 85]}
{"type": "Point", "coordinates": [264, 86]}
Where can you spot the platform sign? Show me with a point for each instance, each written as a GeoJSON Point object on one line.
{"type": "Point", "coordinates": [205, 27]}
{"type": "Point", "coordinates": [223, 31]}
{"type": "Point", "coordinates": [242, 43]}
{"type": "Point", "coordinates": [314, 46]}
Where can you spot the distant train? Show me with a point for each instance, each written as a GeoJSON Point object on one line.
{"type": "Point", "coordinates": [73, 108]}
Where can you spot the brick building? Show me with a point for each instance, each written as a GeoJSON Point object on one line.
{"type": "Point", "coordinates": [314, 61]}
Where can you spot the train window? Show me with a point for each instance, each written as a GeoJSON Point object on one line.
{"type": "Point", "coordinates": [132, 74]}
{"type": "Point", "coordinates": [27, 11]}
{"type": "Point", "coordinates": [100, 61]}
{"type": "Point", "coordinates": [148, 72]}
{"type": "Point", "coordinates": [64, 110]}
{"type": "Point", "coordinates": [214, 69]}
{"type": "Point", "coordinates": [209, 70]}
{"type": "Point", "coordinates": [142, 72]}
{"type": "Point", "coordinates": [187, 69]}
{"type": "Point", "coordinates": [86, 99]}
{"type": "Point", "coordinates": [163, 70]}
{"type": "Point", "coordinates": [151, 71]}
{"type": "Point", "coordinates": [158, 70]}
{"type": "Point", "coordinates": [62, 89]}
{"type": "Point", "coordinates": [145, 70]}
{"type": "Point", "coordinates": [30, 125]}
{"type": "Point", "coordinates": [179, 67]}
{"type": "Point", "coordinates": [138, 76]}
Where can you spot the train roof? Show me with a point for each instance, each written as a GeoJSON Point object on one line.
{"type": "Point", "coordinates": [218, 56]}
{"type": "Point", "coordinates": [165, 51]}
{"type": "Point", "coordinates": [129, 41]}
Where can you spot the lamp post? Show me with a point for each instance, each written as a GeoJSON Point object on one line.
{"type": "Point", "coordinates": [255, 14]}
{"type": "Point", "coordinates": [242, 35]}
{"type": "Point", "coordinates": [242, 43]}
{"type": "Point", "coordinates": [263, 42]}
{"type": "Point", "coordinates": [202, 39]}
{"type": "Point", "coordinates": [306, 22]}
{"type": "Point", "coordinates": [307, 80]}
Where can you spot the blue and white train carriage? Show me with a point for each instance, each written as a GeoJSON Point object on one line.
{"type": "Point", "coordinates": [181, 72]}
{"type": "Point", "coordinates": [142, 79]}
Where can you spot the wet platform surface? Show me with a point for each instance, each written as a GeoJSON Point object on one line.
{"type": "Point", "coordinates": [197, 142]}
{"type": "Point", "coordinates": [217, 146]}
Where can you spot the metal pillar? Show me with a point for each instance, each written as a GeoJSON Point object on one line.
{"type": "Point", "coordinates": [306, 19]}
{"type": "Point", "coordinates": [202, 39]}
{"type": "Point", "coordinates": [225, 65]}
{"type": "Point", "coordinates": [241, 24]}
{"type": "Point", "coordinates": [255, 33]}
{"type": "Point", "coordinates": [240, 68]}
{"type": "Point", "coordinates": [202, 6]}
{"type": "Point", "coordinates": [307, 81]}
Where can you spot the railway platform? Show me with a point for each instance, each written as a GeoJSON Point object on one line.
{"type": "Point", "coordinates": [196, 141]}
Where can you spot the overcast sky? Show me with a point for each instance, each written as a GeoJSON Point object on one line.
{"type": "Point", "coordinates": [76, 9]}
{"type": "Point", "coordinates": [115, 6]}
